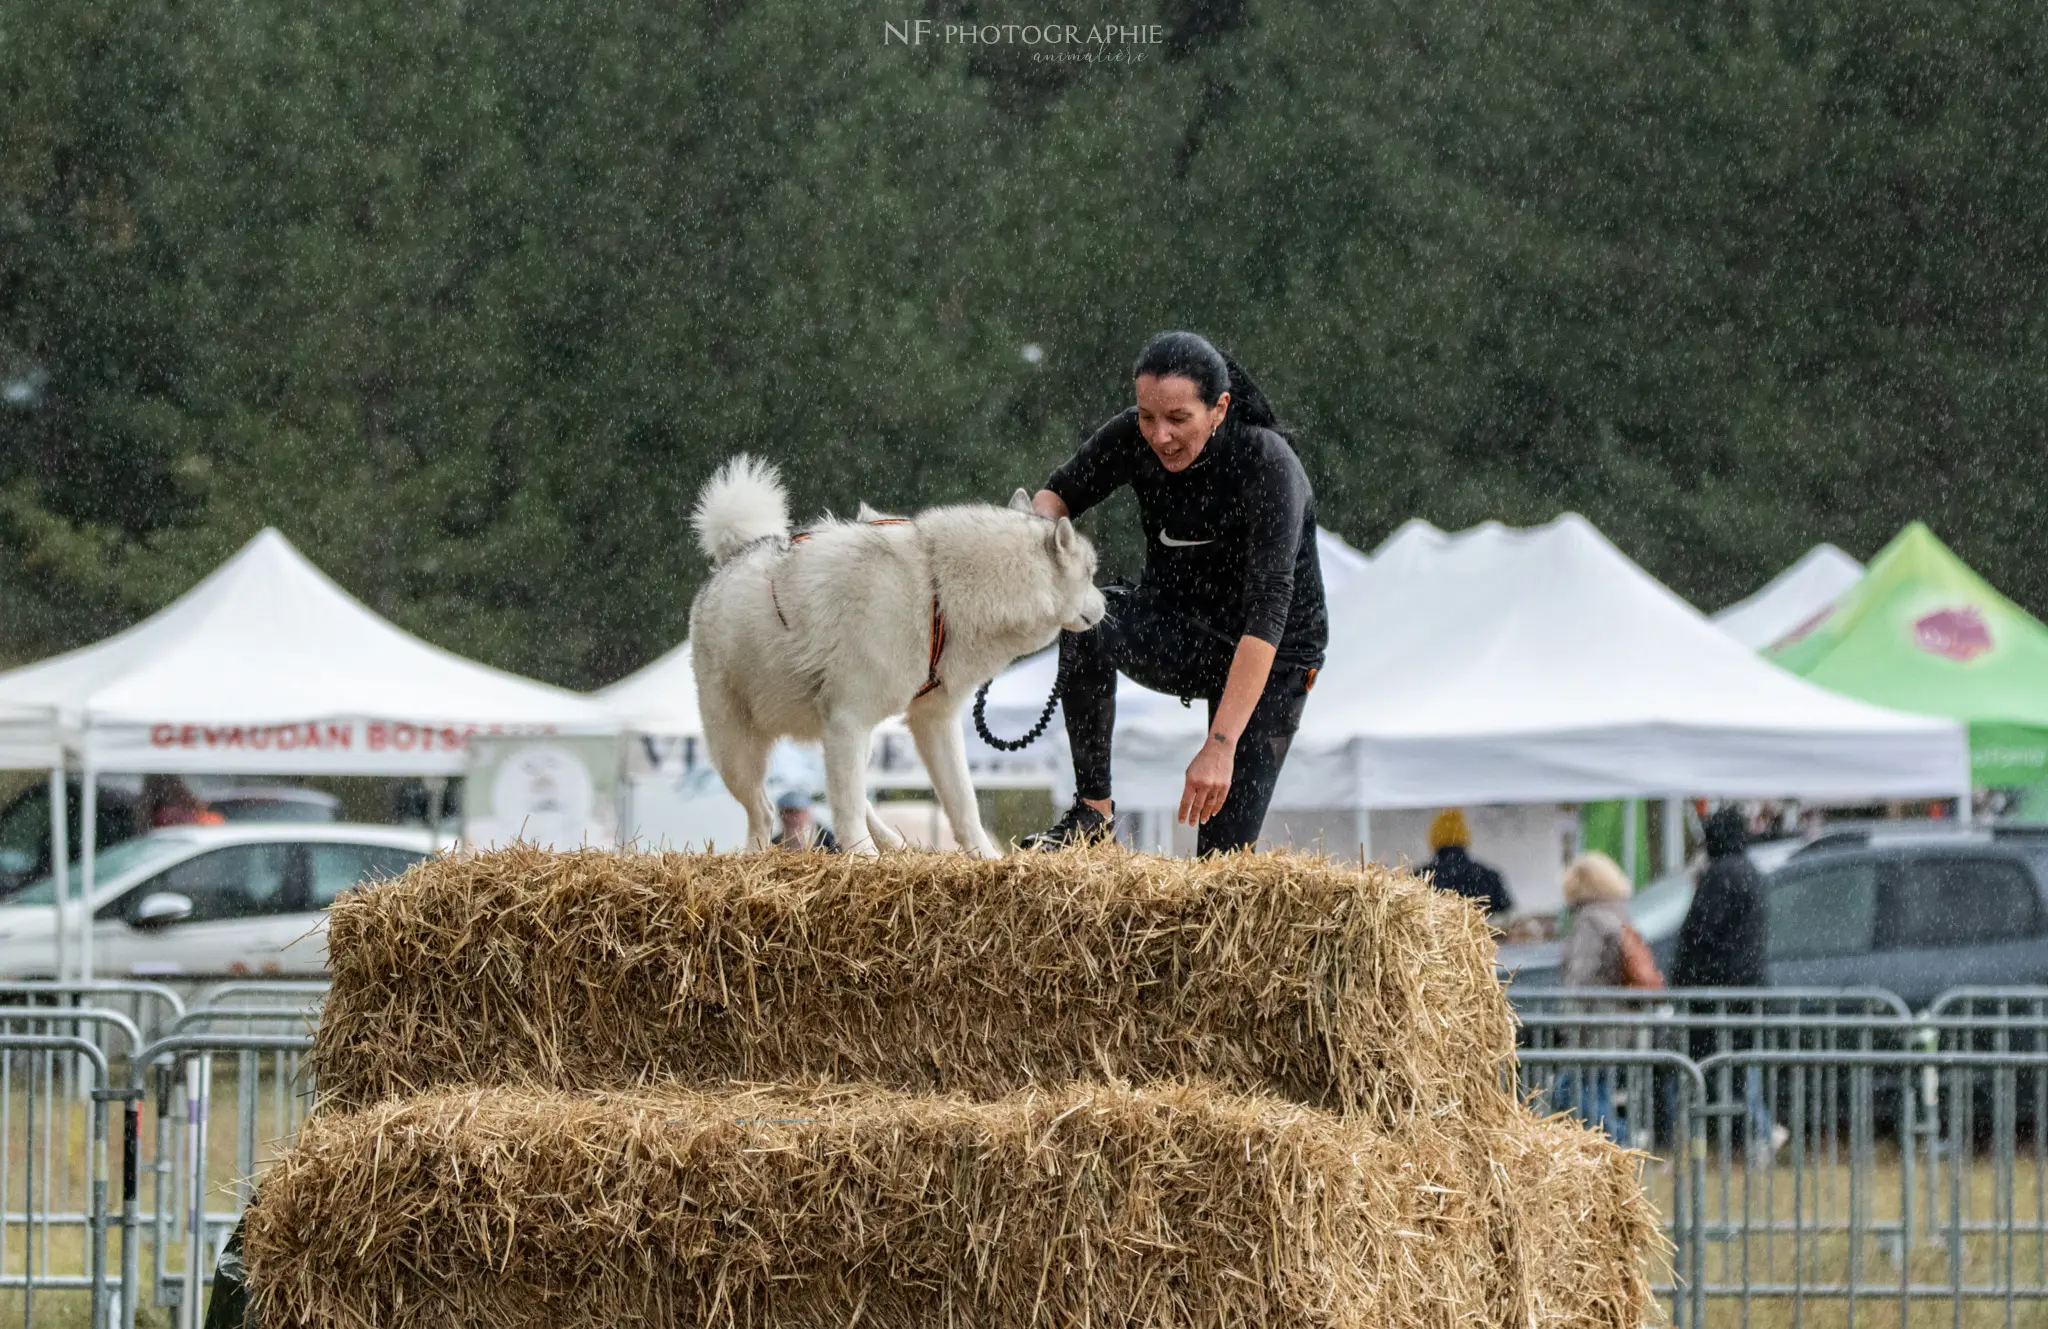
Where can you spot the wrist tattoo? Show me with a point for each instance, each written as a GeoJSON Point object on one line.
{"type": "Point", "coordinates": [1219, 737]}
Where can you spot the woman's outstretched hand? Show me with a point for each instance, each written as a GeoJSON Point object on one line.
{"type": "Point", "coordinates": [1208, 782]}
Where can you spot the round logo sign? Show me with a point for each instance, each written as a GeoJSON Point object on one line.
{"type": "Point", "coordinates": [1960, 634]}
{"type": "Point", "coordinates": [545, 796]}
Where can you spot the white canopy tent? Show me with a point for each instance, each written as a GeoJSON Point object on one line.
{"type": "Point", "coordinates": [266, 667]}
{"type": "Point", "coordinates": [24, 742]}
{"type": "Point", "coordinates": [1792, 598]}
{"type": "Point", "coordinates": [1540, 666]}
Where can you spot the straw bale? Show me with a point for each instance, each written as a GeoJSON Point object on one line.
{"type": "Point", "coordinates": [1573, 1202]}
{"type": "Point", "coordinates": [787, 1206]}
{"type": "Point", "coordinates": [1354, 990]}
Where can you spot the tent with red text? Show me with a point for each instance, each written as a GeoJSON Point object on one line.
{"type": "Point", "coordinates": [268, 667]}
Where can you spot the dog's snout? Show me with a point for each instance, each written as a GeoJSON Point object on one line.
{"type": "Point", "coordinates": [1089, 612]}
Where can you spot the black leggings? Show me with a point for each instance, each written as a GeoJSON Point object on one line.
{"type": "Point", "coordinates": [1158, 647]}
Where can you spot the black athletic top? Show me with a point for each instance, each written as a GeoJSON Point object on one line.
{"type": "Point", "coordinates": [1230, 540]}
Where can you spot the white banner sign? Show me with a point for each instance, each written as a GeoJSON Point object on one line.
{"type": "Point", "coordinates": [357, 746]}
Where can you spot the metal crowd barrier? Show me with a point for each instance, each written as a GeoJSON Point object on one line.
{"type": "Point", "coordinates": [273, 1092]}
{"type": "Point", "coordinates": [149, 1007]}
{"type": "Point", "coordinates": [2008, 1002]}
{"type": "Point", "coordinates": [1892, 1180]}
{"type": "Point", "coordinates": [285, 993]}
{"type": "Point", "coordinates": [54, 1181]}
{"type": "Point", "coordinates": [1856, 1162]}
{"type": "Point", "coordinates": [63, 1048]}
{"type": "Point", "coordinates": [1777, 1002]}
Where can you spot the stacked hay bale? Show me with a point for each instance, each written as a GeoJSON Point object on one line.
{"type": "Point", "coordinates": [781, 1090]}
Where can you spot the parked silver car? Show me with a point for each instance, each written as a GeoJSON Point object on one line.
{"type": "Point", "coordinates": [246, 898]}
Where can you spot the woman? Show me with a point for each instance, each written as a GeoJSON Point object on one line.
{"type": "Point", "coordinates": [1230, 608]}
{"type": "Point", "coordinates": [1598, 893]}
{"type": "Point", "coordinates": [1452, 867]}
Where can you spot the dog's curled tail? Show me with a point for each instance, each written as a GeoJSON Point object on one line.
{"type": "Point", "coordinates": [744, 502]}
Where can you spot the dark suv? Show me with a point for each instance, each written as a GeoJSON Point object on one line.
{"type": "Point", "coordinates": [1913, 911]}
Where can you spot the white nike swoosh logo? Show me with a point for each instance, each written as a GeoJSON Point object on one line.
{"type": "Point", "coordinates": [1172, 543]}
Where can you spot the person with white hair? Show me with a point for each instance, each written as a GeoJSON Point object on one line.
{"type": "Point", "coordinates": [1597, 891]}
{"type": "Point", "coordinates": [1602, 950]}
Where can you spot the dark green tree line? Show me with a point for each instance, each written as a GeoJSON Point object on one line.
{"type": "Point", "coordinates": [469, 300]}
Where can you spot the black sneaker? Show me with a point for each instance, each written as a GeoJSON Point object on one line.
{"type": "Point", "coordinates": [1080, 824]}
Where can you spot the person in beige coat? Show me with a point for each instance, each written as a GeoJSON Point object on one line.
{"type": "Point", "coordinates": [1598, 892]}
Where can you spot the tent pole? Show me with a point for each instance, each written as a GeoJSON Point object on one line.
{"type": "Point", "coordinates": [1628, 840]}
{"type": "Point", "coordinates": [1673, 857]}
{"type": "Point", "coordinates": [88, 841]}
{"type": "Point", "coordinates": [628, 834]}
{"type": "Point", "coordinates": [1362, 810]}
{"type": "Point", "coordinates": [60, 865]}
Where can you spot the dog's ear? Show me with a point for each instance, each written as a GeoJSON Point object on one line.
{"type": "Point", "coordinates": [1020, 502]}
{"type": "Point", "coordinates": [1062, 536]}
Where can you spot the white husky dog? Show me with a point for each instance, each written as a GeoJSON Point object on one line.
{"type": "Point", "coordinates": [825, 634]}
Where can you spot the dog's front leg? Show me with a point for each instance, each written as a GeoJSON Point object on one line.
{"type": "Point", "coordinates": [943, 750]}
{"type": "Point", "coordinates": [846, 786]}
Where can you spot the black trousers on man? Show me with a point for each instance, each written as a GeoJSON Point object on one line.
{"type": "Point", "coordinates": [1156, 646]}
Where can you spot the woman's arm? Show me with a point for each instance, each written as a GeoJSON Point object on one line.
{"type": "Point", "coordinates": [1208, 782]}
{"type": "Point", "coordinates": [1092, 474]}
{"type": "Point", "coordinates": [1278, 507]}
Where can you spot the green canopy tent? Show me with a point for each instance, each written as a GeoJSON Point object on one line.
{"type": "Point", "coordinates": [1922, 632]}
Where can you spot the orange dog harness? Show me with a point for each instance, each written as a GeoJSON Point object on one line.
{"type": "Point", "coordinates": [931, 676]}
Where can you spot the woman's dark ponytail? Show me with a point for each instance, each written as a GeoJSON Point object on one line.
{"type": "Point", "coordinates": [1191, 356]}
{"type": "Point", "coordinates": [1248, 400]}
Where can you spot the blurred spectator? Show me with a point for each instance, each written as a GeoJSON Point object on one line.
{"type": "Point", "coordinates": [168, 801]}
{"type": "Point", "coordinates": [1721, 945]}
{"type": "Point", "coordinates": [1597, 954]}
{"type": "Point", "coordinates": [1454, 869]}
{"type": "Point", "coordinates": [799, 829]}
{"type": "Point", "coordinates": [413, 802]}
{"type": "Point", "coordinates": [1721, 942]}
{"type": "Point", "coordinates": [411, 805]}
{"type": "Point", "coordinates": [1598, 892]}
